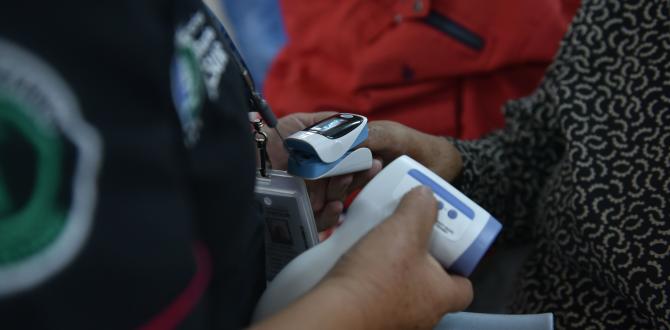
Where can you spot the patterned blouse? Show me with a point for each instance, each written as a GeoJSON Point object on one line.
{"type": "Point", "coordinates": [582, 171]}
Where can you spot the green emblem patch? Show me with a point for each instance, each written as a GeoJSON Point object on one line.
{"type": "Point", "coordinates": [49, 162]}
{"type": "Point", "coordinates": [30, 217]}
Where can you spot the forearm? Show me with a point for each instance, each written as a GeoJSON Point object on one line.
{"type": "Point", "coordinates": [328, 306]}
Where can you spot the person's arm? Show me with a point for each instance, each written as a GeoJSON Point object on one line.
{"type": "Point", "coordinates": [328, 306]}
{"type": "Point", "coordinates": [504, 171]}
{"type": "Point", "coordinates": [387, 280]}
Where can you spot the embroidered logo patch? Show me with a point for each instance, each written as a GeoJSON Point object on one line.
{"type": "Point", "coordinates": [49, 160]}
{"type": "Point", "coordinates": [197, 66]}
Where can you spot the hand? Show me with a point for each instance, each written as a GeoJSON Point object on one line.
{"type": "Point", "coordinates": [326, 195]}
{"type": "Point", "coordinates": [388, 280]}
{"type": "Point", "coordinates": [392, 270]}
{"type": "Point", "coordinates": [389, 140]}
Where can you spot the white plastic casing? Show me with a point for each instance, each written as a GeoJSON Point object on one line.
{"type": "Point", "coordinates": [358, 160]}
{"type": "Point", "coordinates": [353, 161]}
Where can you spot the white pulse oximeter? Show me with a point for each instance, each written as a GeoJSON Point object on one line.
{"type": "Point", "coordinates": [462, 234]}
{"type": "Point", "coordinates": [327, 148]}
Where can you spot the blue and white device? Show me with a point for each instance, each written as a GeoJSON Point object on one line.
{"type": "Point", "coordinates": [463, 231]}
{"type": "Point", "coordinates": [461, 236]}
{"type": "Point", "coordinates": [328, 148]}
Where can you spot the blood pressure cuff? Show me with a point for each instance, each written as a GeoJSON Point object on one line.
{"type": "Point", "coordinates": [126, 169]}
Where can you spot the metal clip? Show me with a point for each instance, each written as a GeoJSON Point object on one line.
{"type": "Point", "coordinates": [261, 139]}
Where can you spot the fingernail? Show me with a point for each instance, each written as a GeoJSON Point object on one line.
{"type": "Point", "coordinates": [424, 190]}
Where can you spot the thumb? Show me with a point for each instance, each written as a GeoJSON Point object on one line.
{"type": "Point", "coordinates": [456, 292]}
{"type": "Point", "coordinates": [417, 213]}
{"type": "Point", "coordinates": [380, 135]}
{"type": "Point", "coordinates": [311, 118]}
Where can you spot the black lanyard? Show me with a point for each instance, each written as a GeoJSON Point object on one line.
{"type": "Point", "coordinates": [258, 103]}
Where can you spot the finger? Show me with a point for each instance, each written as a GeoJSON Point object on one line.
{"type": "Point", "coordinates": [337, 187]}
{"type": "Point", "coordinates": [309, 119]}
{"type": "Point", "coordinates": [362, 178]}
{"type": "Point", "coordinates": [297, 121]}
{"type": "Point", "coordinates": [329, 216]}
{"type": "Point", "coordinates": [317, 194]}
{"type": "Point", "coordinates": [388, 140]}
{"type": "Point", "coordinates": [417, 213]}
{"type": "Point", "coordinates": [457, 293]}
{"type": "Point", "coordinates": [379, 135]}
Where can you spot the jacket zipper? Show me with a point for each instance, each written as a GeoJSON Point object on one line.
{"type": "Point", "coordinates": [455, 30]}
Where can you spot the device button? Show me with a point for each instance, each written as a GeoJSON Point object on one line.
{"type": "Point", "coordinates": [443, 193]}
{"type": "Point", "coordinates": [452, 214]}
{"type": "Point", "coordinates": [347, 116]}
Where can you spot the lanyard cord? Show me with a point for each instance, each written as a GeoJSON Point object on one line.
{"type": "Point", "coordinates": [258, 103]}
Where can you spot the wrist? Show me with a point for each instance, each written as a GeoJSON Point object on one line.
{"type": "Point", "coordinates": [352, 301]}
{"type": "Point", "coordinates": [438, 154]}
{"type": "Point", "coordinates": [450, 162]}
{"type": "Point", "coordinates": [333, 304]}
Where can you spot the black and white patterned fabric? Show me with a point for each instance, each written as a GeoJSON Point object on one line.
{"type": "Point", "coordinates": [582, 170]}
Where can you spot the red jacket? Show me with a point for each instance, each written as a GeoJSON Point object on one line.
{"type": "Point", "coordinates": [443, 67]}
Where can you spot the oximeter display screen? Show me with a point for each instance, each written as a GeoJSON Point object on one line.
{"type": "Point", "coordinates": [328, 124]}
{"type": "Point", "coordinates": [336, 126]}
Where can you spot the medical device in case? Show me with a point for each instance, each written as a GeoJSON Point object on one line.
{"type": "Point", "coordinates": [284, 205]}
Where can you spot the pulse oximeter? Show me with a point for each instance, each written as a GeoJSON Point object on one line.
{"type": "Point", "coordinates": [328, 148]}
{"type": "Point", "coordinates": [461, 235]}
